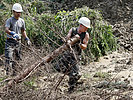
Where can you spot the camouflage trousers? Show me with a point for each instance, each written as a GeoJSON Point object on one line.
{"type": "Point", "coordinates": [12, 48]}
{"type": "Point", "coordinates": [67, 64]}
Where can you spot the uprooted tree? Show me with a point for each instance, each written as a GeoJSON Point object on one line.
{"type": "Point", "coordinates": [46, 59]}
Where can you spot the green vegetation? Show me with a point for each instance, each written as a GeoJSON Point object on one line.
{"type": "Point", "coordinates": [2, 78]}
{"type": "Point", "coordinates": [30, 83]}
{"type": "Point", "coordinates": [40, 25]}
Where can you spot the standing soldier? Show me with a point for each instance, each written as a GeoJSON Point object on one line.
{"type": "Point", "coordinates": [68, 62]}
{"type": "Point", "coordinates": [14, 27]}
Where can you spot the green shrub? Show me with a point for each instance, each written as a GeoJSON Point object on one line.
{"type": "Point", "coordinates": [101, 38]}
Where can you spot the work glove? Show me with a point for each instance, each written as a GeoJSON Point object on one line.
{"type": "Point", "coordinates": [28, 41]}
{"type": "Point", "coordinates": [15, 35]}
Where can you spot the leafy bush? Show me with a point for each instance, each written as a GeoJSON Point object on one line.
{"type": "Point", "coordinates": [101, 38]}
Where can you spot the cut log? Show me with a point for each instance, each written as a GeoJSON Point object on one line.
{"type": "Point", "coordinates": [46, 59]}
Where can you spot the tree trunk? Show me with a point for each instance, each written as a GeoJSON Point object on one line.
{"type": "Point", "coordinates": [46, 59]}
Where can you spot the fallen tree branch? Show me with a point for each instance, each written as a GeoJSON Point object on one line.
{"type": "Point", "coordinates": [46, 59]}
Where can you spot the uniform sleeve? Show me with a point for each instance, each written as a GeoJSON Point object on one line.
{"type": "Point", "coordinates": [23, 26]}
{"type": "Point", "coordinates": [8, 23]}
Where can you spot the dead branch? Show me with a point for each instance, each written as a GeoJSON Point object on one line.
{"type": "Point", "coordinates": [46, 59]}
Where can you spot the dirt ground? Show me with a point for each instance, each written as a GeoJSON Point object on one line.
{"type": "Point", "coordinates": [111, 78]}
